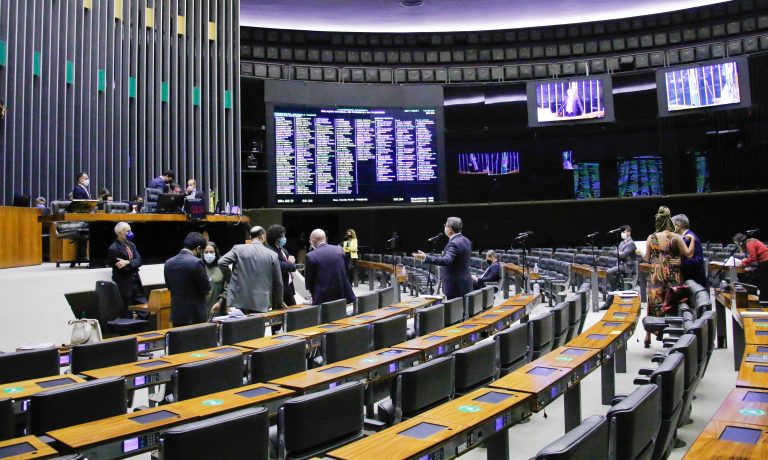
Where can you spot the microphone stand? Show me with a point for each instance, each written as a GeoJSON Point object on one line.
{"type": "Point", "coordinates": [720, 272]}
{"type": "Point", "coordinates": [619, 271]}
{"type": "Point", "coordinates": [523, 238]}
{"type": "Point", "coordinates": [429, 268]}
{"type": "Point", "coordinates": [392, 244]}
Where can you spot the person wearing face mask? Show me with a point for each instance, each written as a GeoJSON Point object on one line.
{"type": "Point", "coordinates": [626, 255]}
{"type": "Point", "coordinates": [217, 298]}
{"type": "Point", "coordinates": [187, 280]}
{"type": "Point", "coordinates": [350, 252]}
{"type": "Point", "coordinates": [276, 243]}
{"type": "Point", "coordinates": [80, 190]}
{"type": "Point", "coordinates": [325, 271]}
{"type": "Point", "coordinates": [756, 255]}
{"type": "Point", "coordinates": [492, 274]}
{"type": "Point", "coordinates": [455, 278]}
{"type": "Point", "coordinates": [162, 181]}
{"type": "Point", "coordinates": [691, 268]}
{"type": "Point", "coordinates": [125, 261]}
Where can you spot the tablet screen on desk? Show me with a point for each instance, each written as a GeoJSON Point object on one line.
{"type": "Point", "coordinates": [467, 326]}
{"type": "Point", "coordinates": [434, 338]}
{"type": "Point", "coordinates": [150, 364]}
{"type": "Point", "coordinates": [422, 430]}
{"type": "Point", "coordinates": [390, 353]}
{"type": "Point", "coordinates": [284, 337]}
{"type": "Point", "coordinates": [756, 397]}
{"type": "Point", "coordinates": [16, 449]}
{"type": "Point", "coordinates": [757, 358]}
{"type": "Point", "coordinates": [335, 370]}
{"type": "Point", "coordinates": [761, 332]}
{"type": "Point", "coordinates": [739, 434]}
{"type": "Point", "coordinates": [761, 368]}
{"type": "Point", "coordinates": [328, 326]}
{"type": "Point", "coordinates": [761, 349]}
{"type": "Point", "coordinates": [611, 324]}
{"type": "Point", "coordinates": [255, 392]}
{"type": "Point", "coordinates": [620, 315]}
{"type": "Point", "coordinates": [153, 417]}
{"type": "Point", "coordinates": [151, 335]}
{"type": "Point", "coordinates": [492, 397]}
{"type": "Point", "coordinates": [597, 336]}
{"type": "Point", "coordinates": [365, 317]}
{"type": "Point", "coordinates": [55, 383]}
{"type": "Point", "coordinates": [543, 371]}
{"type": "Point", "coordinates": [574, 351]}
{"type": "Point", "coordinates": [225, 350]}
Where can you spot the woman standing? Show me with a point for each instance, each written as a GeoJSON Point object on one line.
{"type": "Point", "coordinates": [217, 298]}
{"type": "Point", "coordinates": [662, 247]}
{"type": "Point", "coordinates": [755, 252]}
{"type": "Point", "coordinates": [350, 252]}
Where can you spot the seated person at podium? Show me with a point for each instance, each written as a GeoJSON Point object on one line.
{"type": "Point", "coordinates": [80, 190]}
{"type": "Point", "coordinates": [188, 282]}
{"type": "Point", "coordinates": [175, 188]}
{"type": "Point", "coordinates": [192, 191]}
{"type": "Point", "coordinates": [492, 274]}
{"type": "Point", "coordinates": [125, 261]}
{"type": "Point", "coordinates": [756, 253]}
{"type": "Point", "coordinates": [161, 182]}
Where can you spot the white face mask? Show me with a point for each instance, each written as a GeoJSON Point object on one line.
{"type": "Point", "coordinates": [86, 183]}
{"type": "Point", "coordinates": [445, 230]}
{"type": "Point", "coordinates": [624, 235]}
{"type": "Point", "coordinates": [209, 257]}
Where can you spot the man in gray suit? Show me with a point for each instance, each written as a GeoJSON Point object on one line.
{"type": "Point", "coordinates": [254, 280]}
{"type": "Point", "coordinates": [627, 256]}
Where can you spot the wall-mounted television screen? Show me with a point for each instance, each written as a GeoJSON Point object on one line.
{"type": "Point", "coordinates": [491, 164]}
{"type": "Point", "coordinates": [722, 84]}
{"type": "Point", "coordinates": [640, 176]}
{"type": "Point", "coordinates": [586, 180]}
{"type": "Point", "coordinates": [568, 159]}
{"type": "Point", "coordinates": [702, 173]}
{"type": "Point", "coordinates": [575, 100]}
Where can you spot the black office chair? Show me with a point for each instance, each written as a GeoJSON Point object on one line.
{"type": "Point", "coordinates": [116, 207]}
{"type": "Point", "coordinates": [236, 330]}
{"type": "Point", "coordinates": [670, 377]}
{"type": "Point", "coordinates": [476, 366]}
{"type": "Point", "coordinates": [26, 365]}
{"type": "Point", "coordinates": [387, 296]}
{"type": "Point", "coordinates": [150, 199]}
{"type": "Point", "coordinates": [7, 420]}
{"type": "Point", "coordinates": [206, 377]}
{"type": "Point", "coordinates": [333, 311]}
{"type": "Point", "coordinates": [191, 338]}
{"type": "Point", "coordinates": [583, 293]}
{"type": "Point", "coordinates": [345, 343]}
{"type": "Point", "coordinates": [366, 302]}
{"type": "Point", "coordinates": [473, 303]}
{"type": "Point", "coordinates": [109, 306]}
{"type": "Point", "coordinates": [560, 324]}
{"type": "Point", "coordinates": [574, 318]}
{"type": "Point", "coordinates": [300, 318]}
{"type": "Point", "coordinates": [428, 320]}
{"type": "Point", "coordinates": [239, 435]}
{"type": "Point", "coordinates": [75, 404]}
{"type": "Point", "coordinates": [635, 422]}
{"type": "Point", "coordinates": [103, 354]}
{"type": "Point", "coordinates": [389, 331]}
{"type": "Point", "coordinates": [454, 311]}
{"type": "Point", "coordinates": [513, 348]}
{"type": "Point", "coordinates": [687, 345]}
{"type": "Point", "coordinates": [300, 436]}
{"type": "Point", "coordinates": [417, 389]}
{"type": "Point", "coordinates": [489, 295]}
{"type": "Point", "coordinates": [588, 441]}
{"type": "Point", "coordinates": [274, 362]}
{"type": "Point", "coordinates": [541, 335]}
{"type": "Point", "coordinates": [76, 232]}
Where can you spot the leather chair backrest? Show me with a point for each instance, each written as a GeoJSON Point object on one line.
{"type": "Point", "coordinates": [389, 331]}
{"type": "Point", "coordinates": [454, 311]}
{"type": "Point", "coordinates": [635, 422]}
{"type": "Point", "coordinates": [387, 297]}
{"type": "Point", "coordinates": [473, 303]}
{"type": "Point", "coordinates": [589, 440]}
{"type": "Point", "coordinates": [366, 302]}
{"type": "Point", "coordinates": [541, 334]}
{"type": "Point", "coordinates": [300, 318]}
{"type": "Point", "coordinates": [476, 365]}
{"type": "Point", "coordinates": [700, 329]}
{"type": "Point", "coordinates": [574, 317]}
{"type": "Point", "coordinates": [103, 354]}
{"type": "Point", "coordinates": [7, 420]}
{"type": "Point", "coordinates": [193, 440]}
{"type": "Point", "coordinates": [513, 346]}
{"type": "Point", "coordinates": [688, 347]}
{"type": "Point", "coordinates": [191, 338]}
{"type": "Point", "coordinates": [26, 365]}
{"type": "Point", "coordinates": [278, 361]}
{"type": "Point", "coordinates": [333, 311]}
{"type": "Point", "coordinates": [151, 194]}
{"type": "Point", "coordinates": [560, 318]}
{"type": "Point", "coordinates": [425, 385]}
{"type": "Point", "coordinates": [345, 343]}
{"type": "Point", "coordinates": [430, 319]}
{"type": "Point", "coordinates": [670, 377]}
{"type": "Point", "coordinates": [236, 330]}
{"type": "Point", "coordinates": [116, 207]}
{"type": "Point", "coordinates": [58, 206]}
{"type": "Point", "coordinates": [209, 376]}
{"type": "Point", "coordinates": [489, 295]}
{"type": "Point", "coordinates": [108, 301]}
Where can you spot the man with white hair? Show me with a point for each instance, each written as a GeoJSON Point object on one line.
{"type": "Point", "coordinates": [255, 283]}
{"type": "Point", "coordinates": [325, 271]}
{"type": "Point", "coordinates": [125, 261]}
{"type": "Point", "coordinates": [691, 268]}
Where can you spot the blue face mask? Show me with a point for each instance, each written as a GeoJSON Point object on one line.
{"type": "Point", "coordinates": [281, 242]}
{"type": "Point", "coordinates": [129, 236]}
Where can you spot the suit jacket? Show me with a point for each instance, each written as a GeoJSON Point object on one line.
{"type": "Point", "coordinates": [692, 268]}
{"type": "Point", "coordinates": [187, 279]}
{"type": "Point", "coordinates": [123, 277]}
{"type": "Point", "coordinates": [158, 183]}
{"type": "Point", "coordinates": [80, 193]}
{"type": "Point", "coordinates": [254, 280]}
{"type": "Point", "coordinates": [198, 194]}
{"type": "Point", "coordinates": [325, 275]}
{"type": "Point", "coordinates": [454, 276]}
{"type": "Point", "coordinates": [286, 268]}
{"type": "Point", "coordinates": [627, 255]}
{"type": "Point", "coordinates": [491, 275]}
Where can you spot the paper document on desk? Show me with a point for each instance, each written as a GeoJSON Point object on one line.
{"type": "Point", "coordinates": [430, 296]}
{"type": "Point", "coordinates": [731, 262]}
{"type": "Point", "coordinates": [624, 294]}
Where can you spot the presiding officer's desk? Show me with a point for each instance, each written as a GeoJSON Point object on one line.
{"type": "Point", "coordinates": [25, 448]}
{"type": "Point", "coordinates": [158, 236]}
{"type": "Point", "coordinates": [445, 341]}
{"type": "Point", "coordinates": [21, 237]}
{"type": "Point", "coordinates": [20, 392]}
{"type": "Point", "coordinates": [131, 434]}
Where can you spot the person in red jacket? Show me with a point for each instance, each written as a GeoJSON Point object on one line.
{"type": "Point", "coordinates": [756, 252]}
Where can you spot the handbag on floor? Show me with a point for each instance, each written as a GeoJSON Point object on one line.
{"type": "Point", "coordinates": [85, 331]}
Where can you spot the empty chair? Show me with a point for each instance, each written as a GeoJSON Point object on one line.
{"type": "Point", "coordinates": [540, 335]}
{"type": "Point", "coordinates": [589, 440]}
{"type": "Point", "coordinates": [417, 389]}
{"type": "Point", "coordinates": [274, 362]}
{"type": "Point", "coordinates": [206, 377]}
{"type": "Point", "coordinates": [489, 295]}
{"type": "Point", "coordinates": [345, 343]}
{"type": "Point", "coordinates": [236, 330]}
{"type": "Point", "coordinates": [7, 430]}
{"type": "Point", "coordinates": [110, 305]}
{"type": "Point", "coordinates": [560, 323]}
{"type": "Point", "coordinates": [26, 365]}
{"type": "Point", "coordinates": [299, 318]}
{"type": "Point", "coordinates": [366, 302]}
{"type": "Point", "coordinates": [389, 331]}
{"type": "Point", "coordinates": [103, 354]}
{"type": "Point", "coordinates": [191, 338]}
{"type": "Point", "coordinates": [583, 294]}
{"type": "Point", "coordinates": [333, 311]}
{"type": "Point", "coordinates": [473, 303]}
{"type": "Point", "coordinates": [476, 366]}
{"type": "Point", "coordinates": [670, 377]}
{"type": "Point", "coordinates": [429, 320]}
{"type": "Point", "coordinates": [76, 404]}
{"type": "Point", "coordinates": [193, 440]}
{"type": "Point", "coordinates": [116, 207]}
{"type": "Point", "coordinates": [454, 311]}
{"type": "Point", "coordinates": [635, 422]}
{"type": "Point", "coordinates": [298, 433]}
{"type": "Point", "coordinates": [513, 348]}
{"type": "Point", "coordinates": [687, 345]}
{"type": "Point", "coordinates": [387, 296]}
{"type": "Point", "coordinates": [574, 318]}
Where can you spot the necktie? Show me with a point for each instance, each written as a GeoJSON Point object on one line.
{"type": "Point", "coordinates": [128, 251]}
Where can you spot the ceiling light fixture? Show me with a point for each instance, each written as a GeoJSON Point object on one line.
{"type": "Point", "coordinates": [412, 2]}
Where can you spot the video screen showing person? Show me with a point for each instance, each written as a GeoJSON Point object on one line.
{"type": "Point", "coordinates": [702, 174]}
{"type": "Point", "coordinates": [568, 159]}
{"type": "Point", "coordinates": [586, 180]}
{"type": "Point", "coordinates": [570, 101]}
{"type": "Point", "coordinates": [640, 176]}
{"type": "Point", "coordinates": [490, 164]}
{"type": "Point", "coordinates": [705, 86]}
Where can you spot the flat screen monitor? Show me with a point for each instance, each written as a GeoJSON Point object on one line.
{"type": "Point", "coordinates": [640, 176]}
{"type": "Point", "coordinates": [712, 85]}
{"type": "Point", "coordinates": [490, 164]}
{"type": "Point", "coordinates": [586, 180]}
{"type": "Point", "coordinates": [570, 101]}
{"type": "Point", "coordinates": [567, 159]}
{"type": "Point", "coordinates": [170, 203]}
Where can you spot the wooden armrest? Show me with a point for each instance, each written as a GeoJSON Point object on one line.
{"type": "Point", "coordinates": [141, 307]}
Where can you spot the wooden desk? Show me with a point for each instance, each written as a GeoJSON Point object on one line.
{"type": "Point", "coordinates": [271, 341]}
{"type": "Point", "coordinates": [710, 445]}
{"type": "Point", "coordinates": [373, 316]}
{"type": "Point", "coordinates": [314, 335]}
{"type": "Point", "coordinates": [740, 308]}
{"type": "Point", "coordinates": [615, 313]}
{"type": "Point", "coordinates": [519, 274]}
{"type": "Point", "coordinates": [753, 375]}
{"type": "Point", "coordinates": [446, 341]}
{"type": "Point", "coordinates": [159, 306]}
{"type": "Point", "coordinates": [370, 367]}
{"type": "Point", "coordinates": [744, 405]}
{"type": "Point", "coordinates": [372, 267]}
{"type": "Point", "coordinates": [257, 394]}
{"type": "Point", "coordinates": [586, 271]}
{"type": "Point", "coordinates": [755, 330]}
{"type": "Point", "coordinates": [414, 305]}
{"type": "Point", "coordinates": [500, 318]}
{"type": "Point", "coordinates": [21, 237]}
{"type": "Point", "coordinates": [20, 392]}
{"type": "Point", "coordinates": [25, 448]}
{"type": "Point", "coordinates": [544, 382]}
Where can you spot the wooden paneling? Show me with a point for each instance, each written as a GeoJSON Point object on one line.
{"type": "Point", "coordinates": [21, 237]}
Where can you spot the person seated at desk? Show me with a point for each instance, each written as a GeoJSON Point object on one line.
{"type": "Point", "coordinates": [187, 280]}
{"type": "Point", "coordinates": [192, 191]}
{"type": "Point", "coordinates": [137, 202]}
{"type": "Point", "coordinates": [161, 182]}
{"type": "Point", "coordinates": [105, 196]}
{"type": "Point", "coordinates": [175, 188]}
{"type": "Point", "coordinates": [80, 190]}
{"type": "Point", "coordinates": [756, 252]}
{"type": "Point", "coordinates": [125, 261]}
{"type": "Point", "coordinates": [40, 204]}
{"type": "Point", "coordinates": [492, 274]}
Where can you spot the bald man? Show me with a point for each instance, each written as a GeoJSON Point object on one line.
{"type": "Point", "coordinates": [125, 261]}
{"type": "Point", "coordinates": [325, 271]}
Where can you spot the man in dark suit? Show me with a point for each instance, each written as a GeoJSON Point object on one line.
{"type": "Point", "coordinates": [161, 182]}
{"type": "Point", "coordinates": [192, 191]}
{"type": "Point", "coordinates": [125, 261]}
{"type": "Point", "coordinates": [325, 271]}
{"type": "Point", "coordinates": [455, 277]}
{"type": "Point", "coordinates": [188, 282]}
{"type": "Point", "coordinates": [627, 255]}
{"type": "Point", "coordinates": [492, 274]}
{"type": "Point", "coordinates": [80, 190]}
